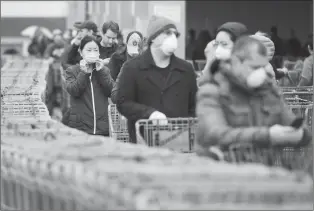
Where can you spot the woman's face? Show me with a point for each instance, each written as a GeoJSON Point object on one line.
{"type": "Point", "coordinates": [223, 39]}
{"type": "Point", "coordinates": [90, 51]}
{"type": "Point", "coordinates": [223, 46]}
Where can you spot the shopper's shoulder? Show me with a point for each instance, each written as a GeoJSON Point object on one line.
{"type": "Point", "coordinates": [73, 69]}
{"type": "Point", "coordinates": [309, 59]}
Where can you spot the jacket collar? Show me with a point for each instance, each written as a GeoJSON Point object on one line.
{"type": "Point", "coordinates": [147, 61]}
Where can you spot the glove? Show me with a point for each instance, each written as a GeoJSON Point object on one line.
{"type": "Point", "coordinates": [106, 61]}
{"type": "Point", "coordinates": [158, 118]}
{"type": "Point", "coordinates": [284, 70]}
{"type": "Point", "coordinates": [85, 67]}
{"type": "Point", "coordinates": [99, 64]}
{"type": "Point", "coordinates": [281, 135]}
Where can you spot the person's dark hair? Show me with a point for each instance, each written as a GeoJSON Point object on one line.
{"type": "Point", "coordinates": [192, 34]}
{"type": "Point", "coordinates": [88, 39]}
{"type": "Point", "coordinates": [274, 29]}
{"type": "Point", "coordinates": [243, 46]}
{"type": "Point", "coordinates": [113, 26]}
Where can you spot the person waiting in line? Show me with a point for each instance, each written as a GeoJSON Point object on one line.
{"type": "Point", "coordinates": [307, 70]}
{"type": "Point", "coordinates": [89, 84]}
{"type": "Point", "coordinates": [71, 56]}
{"type": "Point", "coordinates": [220, 48]}
{"type": "Point", "coordinates": [241, 104]}
{"type": "Point", "coordinates": [157, 84]}
{"type": "Point", "coordinates": [125, 53]}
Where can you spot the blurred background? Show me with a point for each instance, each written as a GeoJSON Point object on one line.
{"type": "Point", "coordinates": [290, 17]}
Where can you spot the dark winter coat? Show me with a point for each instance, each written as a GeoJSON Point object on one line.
{"type": "Point", "coordinates": [89, 99]}
{"type": "Point", "coordinates": [116, 61]}
{"type": "Point", "coordinates": [143, 90]}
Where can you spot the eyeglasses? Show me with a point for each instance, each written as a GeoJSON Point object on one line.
{"type": "Point", "coordinates": [171, 32]}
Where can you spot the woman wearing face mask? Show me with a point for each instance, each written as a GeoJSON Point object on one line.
{"type": "Point", "coordinates": [157, 84]}
{"type": "Point", "coordinates": [125, 53]}
{"type": "Point", "coordinates": [241, 104]}
{"type": "Point", "coordinates": [220, 48]}
{"type": "Point", "coordinates": [89, 85]}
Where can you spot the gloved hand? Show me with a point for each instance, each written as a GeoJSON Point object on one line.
{"type": "Point", "coordinates": [281, 135]}
{"type": "Point", "coordinates": [106, 61]}
{"type": "Point", "coordinates": [85, 67]}
{"type": "Point", "coordinates": [99, 64]}
{"type": "Point", "coordinates": [158, 118]}
{"type": "Point", "coordinates": [284, 70]}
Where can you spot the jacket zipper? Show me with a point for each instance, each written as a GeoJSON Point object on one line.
{"type": "Point", "coordinates": [93, 100]}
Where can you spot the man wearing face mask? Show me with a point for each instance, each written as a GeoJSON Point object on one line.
{"type": "Point", "coordinates": [241, 103]}
{"type": "Point", "coordinates": [157, 84]}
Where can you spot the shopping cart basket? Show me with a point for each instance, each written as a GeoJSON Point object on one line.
{"type": "Point", "coordinates": [298, 158]}
{"type": "Point", "coordinates": [178, 134]}
{"type": "Point", "coordinates": [117, 124]}
{"type": "Point", "coordinates": [294, 95]}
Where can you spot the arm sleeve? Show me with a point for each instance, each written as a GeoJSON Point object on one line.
{"type": "Point", "coordinates": [214, 128]}
{"type": "Point", "coordinates": [307, 73]}
{"type": "Point", "coordinates": [69, 56]}
{"type": "Point", "coordinates": [126, 96]}
{"type": "Point", "coordinates": [114, 66]}
{"type": "Point", "coordinates": [75, 83]}
{"type": "Point", "coordinates": [48, 51]}
{"type": "Point", "coordinates": [105, 80]}
{"type": "Point", "coordinates": [72, 55]}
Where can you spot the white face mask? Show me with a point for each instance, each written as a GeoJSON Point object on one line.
{"type": "Point", "coordinates": [169, 45]}
{"type": "Point", "coordinates": [257, 78]}
{"type": "Point", "coordinates": [91, 57]}
{"type": "Point", "coordinates": [222, 53]}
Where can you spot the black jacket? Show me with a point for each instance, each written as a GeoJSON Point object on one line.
{"type": "Point", "coordinates": [141, 91]}
{"type": "Point", "coordinates": [89, 99]}
{"type": "Point", "coordinates": [116, 61]}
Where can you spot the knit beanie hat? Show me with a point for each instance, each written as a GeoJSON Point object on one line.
{"type": "Point", "coordinates": [270, 46]}
{"type": "Point", "coordinates": [157, 25]}
{"type": "Point", "coordinates": [234, 28]}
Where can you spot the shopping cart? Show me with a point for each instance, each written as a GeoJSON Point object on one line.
{"type": "Point", "coordinates": [178, 134]}
{"type": "Point", "coordinates": [118, 128]}
{"type": "Point", "coordinates": [294, 95]}
{"type": "Point", "coordinates": [305, 111]}
{"type": "Point", "coordinates": [291, 158]}
{"type": "Point", "coordinates": [24, 110]}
